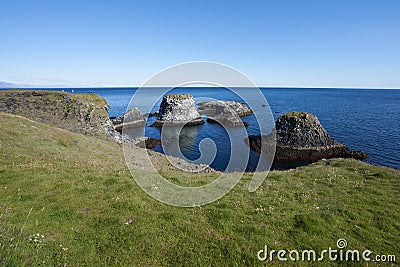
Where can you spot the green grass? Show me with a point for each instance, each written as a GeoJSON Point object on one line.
{"type": "Point", "coordinates": [76, 191]}
{"type": "Point", "coordinates": [91, 98]}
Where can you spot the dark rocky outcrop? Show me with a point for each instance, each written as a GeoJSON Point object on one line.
{"type": "Point", "coordinates": [178, 109]}
{"type": "Point", "coordinates": [131, 119]}
{"type": "Point", "coordinates": [150, 114]}
{"type": "Point", "coordinates": [301, 137]}
{"type": "Point", "coordinates": [147, 142]}
{"type": "Point", "coordinates": [81, 113]}
{"type": "Point", "coordinates": [226, 113]}
{"type": "Point", "coordinates": [301, 130]}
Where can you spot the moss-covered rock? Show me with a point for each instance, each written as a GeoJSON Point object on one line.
{"type": "Point", "coordinates": [300, 136]}
{"type": "Point", "coordinates": [301, 130]}
{"type": "Point", "coordinates": [81, 113]}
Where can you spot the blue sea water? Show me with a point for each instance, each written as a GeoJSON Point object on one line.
{"type": "Point", "coordinates": [362, 119]}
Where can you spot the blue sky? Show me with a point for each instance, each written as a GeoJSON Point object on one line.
{"type": "Point", "coordinates": [308, 43]}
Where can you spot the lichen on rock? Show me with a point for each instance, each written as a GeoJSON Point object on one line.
{"type": "Point", "coordinates": [216, 107]}
{"type": "Point", "coordinates": [301, 137]}
{"type": "Point", "coordinates": [178, 109]}
{"type": "Point", "coordinates": [301, 130]}
{"type": "Point", "coordinates": [226, 113]}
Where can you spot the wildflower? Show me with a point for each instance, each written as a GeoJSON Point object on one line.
{"type": "Point", "coordinates": [36, 238]}
{"type": "Point", "coordinates": [129, 221]}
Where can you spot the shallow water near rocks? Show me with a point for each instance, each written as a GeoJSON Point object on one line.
{"type": "Point", "coordinates": [362, 119]}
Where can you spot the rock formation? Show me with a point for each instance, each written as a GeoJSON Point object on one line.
{"type": "Point", "coordinates": [226, 113]}
{"type": "Point", "coordinates": [81, 113]}
{"type": "Point", "coordinates": [301, 137]}
{"type": "Point", "coordinates": [216, 107]}
{"type": "Point", "coordinates": [148, 115]}
{"type": "Point", "coordinates": [131, 119]}
{"type": "Point", "coordinates": [178, 109]}
{"type": "Point", "coordinates": [147, 142]}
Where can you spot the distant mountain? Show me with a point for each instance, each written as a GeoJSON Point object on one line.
{"type": "Point", "coordinates": [6, 85]}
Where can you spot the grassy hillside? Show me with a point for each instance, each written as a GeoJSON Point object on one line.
{"type": "Point", "coordinates": [68, 199]}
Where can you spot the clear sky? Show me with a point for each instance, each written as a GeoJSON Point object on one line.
{"type": "Point", "coordinates": [298, 43]}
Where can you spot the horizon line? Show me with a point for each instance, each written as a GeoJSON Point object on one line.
{"type": "Point", "coordinates": [154, 87]}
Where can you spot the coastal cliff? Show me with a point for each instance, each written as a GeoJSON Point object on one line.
{"type": "Point", "coordinates": [301, 137]}
{"type": "Point", "coordinates": [84, 114]}
{"type": "Point", "coordinates": [80, 113]}
{"type": "Point", "coordinates": [178, 109]}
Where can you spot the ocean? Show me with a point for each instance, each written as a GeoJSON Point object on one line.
{"type": "Point", "coordinates": [362, 119]}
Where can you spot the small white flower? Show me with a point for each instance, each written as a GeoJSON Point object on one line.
{"type": "Point", "coordinates": [36, 238]}
{"type": "Point", "coordinates": [129, 221]}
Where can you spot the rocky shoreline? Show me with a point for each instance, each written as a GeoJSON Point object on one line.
{"type": "Point", "coordinates": [133, 118]}
{"type": "Point", "coordinates": [87, 114]}
{"type": "Point", "coordinates": [301, 137]}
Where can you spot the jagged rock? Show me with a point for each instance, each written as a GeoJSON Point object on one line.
{"type": "Point", "coordinates": [147, 142]}
{"type": "Point", "coordinates": [151, 114]}
{"type": "Point", "coordinates": [131, 119]}
{"type": "Point", "coordinates": [226, 113]}
{"type": "Point", "coordinates": [301, 137]}
{"type": "Point", "coordinates": [178, 109]}
{"type": "Point", "coordinates": [81, 113]}
{"type": "Point", "coordinates": [213, 108]}
{"type": "Point", "coordinates": [301, 130]}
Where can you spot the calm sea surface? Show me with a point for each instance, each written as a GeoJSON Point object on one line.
{"type": "Point", "coordinates": [362, 119]}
